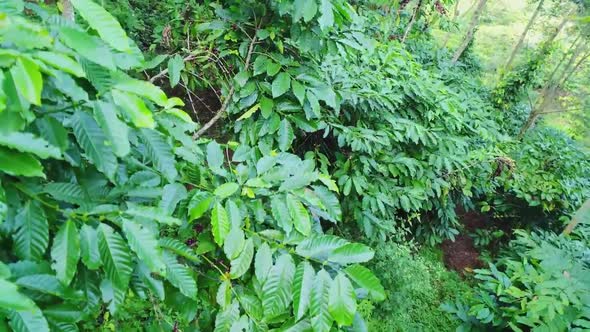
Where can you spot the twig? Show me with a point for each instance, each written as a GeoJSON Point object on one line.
{"type": "Point", "coordinates": [165, 71]}
{"type": "Point", "coordinates": [230, 94]}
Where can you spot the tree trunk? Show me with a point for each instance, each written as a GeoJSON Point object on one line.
{"type": "Point", "coordinates": [582, 60]}
{"type": "Point", "coordinates": [67, 10]}
{"type": "Point", "coordinates": [582, 215]}
{"type": "Point", "coordinates": [455, 15]}
{"type": "Point", "coordinates": [523, 35]}
{"type": "Point", "coordinates": [470, 30]}
{"type": "Point", "coordinates": [412, 21]}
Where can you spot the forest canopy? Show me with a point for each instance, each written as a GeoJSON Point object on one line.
{"type": "Point", "coordinates": [294, 165]}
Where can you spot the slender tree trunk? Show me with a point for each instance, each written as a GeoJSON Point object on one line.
{"type": "Point", "coordinates": [455, 15]}
{"type": "Point", "coordinates": [583, 214]}
{"type": "Point", "coordinates": [412, 21]}
{"type": "Point", "coordinates": [67, 10]}
{"type": "Point", "coordinates": [547, 43]}
{"type": "Point", "coordinates": [568, 76]}
{"type": "Point", "coordinates": [523, 35]}
{"type": "Point", "coordinates": [470, 30]}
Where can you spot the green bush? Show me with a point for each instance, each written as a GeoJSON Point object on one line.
{"type": "Point", "coordinates": [417, 284]}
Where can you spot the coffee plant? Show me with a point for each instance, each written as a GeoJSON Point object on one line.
{"type": "Point", "coordinates": [106, 196]}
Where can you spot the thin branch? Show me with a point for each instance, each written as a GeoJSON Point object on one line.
{"type": "Point", "coordinates": [230, 94]}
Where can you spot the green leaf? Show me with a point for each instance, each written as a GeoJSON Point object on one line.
{"type": "Point", "coordinates": [53, 131]}
{"type": "Point", "coordinates": [67, 192]}
{"type": "Point", "coordinates": [219, 223]}
{"type": "Point", "coordinates": [144, 243]}
{"type": "Point", "coordinates": [263, 262]}
{"type": "Point", "coordinates": [44, 283]}
{"type": "Point", "coordinates": [32, 237]}
{"type": "Point", "coordinates": [281, 213]}
{"type": "Point", "coordinates": [319, 247]}
{"type": "Point", "coordinates": [115, 129]}
{"type": "Point", "coordinates": [180, 276]}
{"type": "Point", "coordinates": [16, 163]}
{"type": "Point", "coordinates": [175, 66]}
{"type": "Point", "coordinates": [286, 135]}
{"type": "Point", "coordinates": [28, 321]}
{"type": "Point", "coordinates": [266, 106]}
{"type": "Point", "coordinates": [179, 248]}
{"type": "Point", "coordinates": [302, 286]}
{"type": "Point", "coordinates": [260, 64]}
{"type": "Point", "coordinates": [277, 290]}
{"type": "Point", "coordinates": [226, 190]}
{"type": "Point", "coordinates": [92, 140]}
{"type": "Point", "coordinates": [241, 264]}
{"type": "Point", "coordinates": [135, 108]}
{"type": "Point", "coordinates": [172, 194]}
{"type": "Point", "coordinates": [214, 155]}
{"type": "Point", "coordinates": [241, 78]}
{"type": "Point", "coordinates": [249, 112]}
{"type": "Point", "coordinates": [352, 253]}
{"type": "Point", "coordinates": [234, 243]}
{"type": "Point", "coordinates": [272, 68]}
{"type": "Point", "coordinates": [27, 79]}
{"type": "Point", "coordinates": [342, 303]}
{"type": "Point", "coordinates": [298, 91]}
{"type": "Point", "coordinates": [27, 142]}
{"type": "Point", "coordinates": [89, 247]}
{"type": "Point", "coordinates": [141, 88]}
{"type": "Point", "coordinates": [299, 215]}
{"type": "Point", "coordinates": [62, 62]}
{"type": "Point", "coordinates": [12, 299]}
{"type": "Point", "coordinates": [65, 252]}
{"type": "Point", "coordinates": [226, 318]}
{"type": "Point", "coordinates": [199, 204]}
{"type": "Point", "coordinates": [280, 85]}
{"type": "Point", "coordinates": [321, 320]}
{"type": "Point", "coordinates": [304, 8]}
{"type": "Point", "coordinates": [160, 153]}
{"type": "Point", "coordinates": [115, 255]}
{"type": "Point", "coordinates": [105, 24]}
{"type": "Point", "coordinates": [112, 294]}
{"type": "Point", "coordinates": [151, 213]}
{"type": "Point", "coordinates": [89, 47]}
{"type": "Point", "coordinates": [367, 280]}
{"type": "Point", "coordinates": [326, 18]}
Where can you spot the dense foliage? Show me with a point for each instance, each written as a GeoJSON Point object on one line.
{"type": "Point", "coordinates": [230, 166]}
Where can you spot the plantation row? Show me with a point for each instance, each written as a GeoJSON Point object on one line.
{"type": "Point", "coordinates": [241, 167]}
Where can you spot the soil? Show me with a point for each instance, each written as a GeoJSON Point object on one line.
{"type": "Point", "coordinates": [460, 255]}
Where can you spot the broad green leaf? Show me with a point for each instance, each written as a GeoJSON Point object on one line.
{"type": "Point", "coordinates": [299, 215]}
{"type": "Point", "coordinates": [326, 19]}
{"type": "Point", "coordinates": [226, 190]}
{"type": "Point", "coordinates": [321, 320]}
{"type": "Point", "coordinates": [27, 142]}
{"type": "Point", "coordinates": [281, 213]}
{"type": "Point", "coordinates": [272, 68]}
{"type": "Point", "coordinates": [179, 248]}
{"type": "Point", "coordinates": [115, 129]}
{"type": "Point", "coordinates": [263, 262]}
{"type": "Point", "coordinates": [89, 247]}
{"type": "Point", "coordinates": [28, 321]}
{"type": "Point", "coordinates": [241, 78]}
{"type": "Point", "coordinates": [135, 109]}
{"type": "Point", "coordinates": [305, 9]}
{"type": "Point", "coordinates": [160, 153]}
{"type": "Point", "coordinates": [234, 214]}
{"type": "Point", "coordinates": [175, 66]}
{"type": "Point", "coordinates": [219, 223]}
{"type": "Point", "coordinates": [342, 303]}
{"type": "Point", "coordinates": [62, 62]}
{"type": "Point", "coordinates": [249, 112]}
{"type": "Point", "coordinates": [266, 106]}
{"type": "Point", "coordinates": [234, 243]}
{"type": "Point", "coordinates": [302, 286]}
{"type": "Point", "coordinates": [112, 294]}
{"type": "Point", "coordinates": [330, 202]}
{"type": "Point", "coordinates": [44, 283]}
{"type": "Point", "coordinates": [67, 192]}
{"type": "Point", "coordinates": [144, 243]}
{"type": "Point", "coordinates": [156, 286]}
{"type": "Point", "coordinates": [92, 139]}
{"type": "Point", "coordinates": [259, 64]}
{"type": "Point", "coordinates": [151, 213]}
{"type": "Point", "coordinates": [53, 132]}
{"type": "Point", "coordinates": [199, 204]}
{"type": "Point", "coordinates": [65, 252]}
{"type": "Point", "coordinates": [4, 269]}
{"type": "Point", "coordinates": [298, 91]}
{"type": "Point", "coordinates": [286, 135]}
{"type": "Point", "coordinates": [241, 264]}
{"type": "Point", "coordinates": [141, 88]}
{"type": "Point", "coordinates": [27, 79]}
{"type": "Point", "coordinates": [352, 253]}
{"type": "Point", "coordinates": [214, 155]}
{"type": "Point", "coordinates": [180, 276]}
{"type": "Point", "coordinates": [12, 299]}
{"type": "Point", "coordinates": [89, 47]}
{"type": "Point", "coordinates": [226, 318]}
{"type": "Point", "coordinates": [32, 235]}
{"type": "Point", "coordinates": [66, 313]}
{"type": "Point", "coordinates": [105, 24]}
{"type": "Point", "coordinates": [16, 163]}
{"type": "Point", "coordinates": [115, 255]}
{"type": "Point", "coordinates": [172, 194]}
{"type": "Point", "coordinates": [367, 280]}
{"type": "Point", "coordinates": [277, 290]}
{"type": "Point", "coordinates": [280, 85]}
{"type": "Point", "coordinates": [319, 247]}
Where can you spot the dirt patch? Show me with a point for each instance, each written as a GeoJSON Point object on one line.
{"type": "Point", "coordinates": [473, 220]}
{"type": "Point", "coordinates": [460, 255]}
